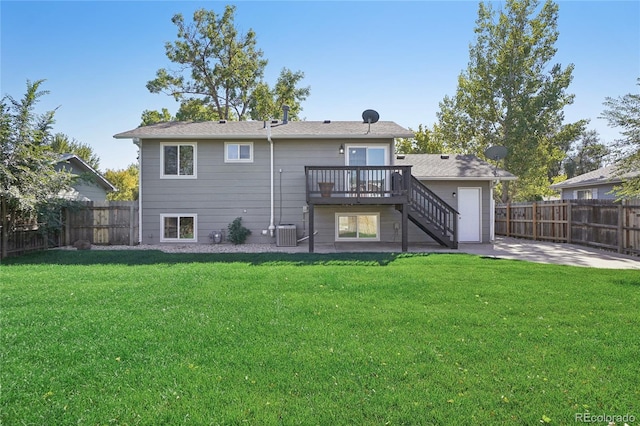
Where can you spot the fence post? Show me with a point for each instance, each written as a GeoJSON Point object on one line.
{"type": "Point", "coordinates": [535, 222]}
{"type": "Point", "coordinates": [4, 231]}
{"type": "Point", "coordinates": [508, 218]}
{"type": "Point", "coordinates": [621, 226]}
{"type": "Point", "coordinates": [131, 224]}
{"type": "Point", "coordinates": [568, 224]}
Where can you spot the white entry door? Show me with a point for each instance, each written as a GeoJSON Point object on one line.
{"type": "Point", "coordinates": [470, 209]}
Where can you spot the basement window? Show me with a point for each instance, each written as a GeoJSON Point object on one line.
{"type": "Point", "coordinates": [178, 228]}
{"type": "Point", "coordinates": [357, 227]}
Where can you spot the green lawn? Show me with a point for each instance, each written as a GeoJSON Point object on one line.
{"type": "Point", "coordinates": [142, 337]}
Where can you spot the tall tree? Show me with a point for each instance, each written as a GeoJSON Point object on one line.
{"type": "Point", "coordinates": [220, 67]}
{"type": "Point", "coordinates": [126, 181]}
{"type": "Point", "coordinates": [586, 155]}
{"type": "Point", "coordinates": [63, 144]}
{"type": "Point", "coordinates": [511, 95]}
{"type": "Point", "coordinates": [267, 102]}
{"type": "Point", "coordinates": [624, 113]}
{"type": "Point", "coordinates": [153, 116]}
{"type": "Point", "coordinates": [425, 142]}
{"type": "Point", "coordinates": [28, 178]}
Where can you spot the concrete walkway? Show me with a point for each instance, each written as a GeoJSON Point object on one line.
{"type": "Point", "coordinates": [504, 248]}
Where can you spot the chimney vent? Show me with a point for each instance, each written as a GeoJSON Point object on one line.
{"type": "Point", "coordinates": [327, 121]}
{"type": "Point", "coordinates": [444, 157]}
{"type": "Point", "coordinates": [285, 114]}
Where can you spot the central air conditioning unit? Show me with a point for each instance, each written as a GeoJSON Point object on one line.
{"type": "Point", "coordinates": [286, 236]}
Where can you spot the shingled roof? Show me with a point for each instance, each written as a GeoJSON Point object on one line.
{"type": "Point", "coordinates": [279, 130]}
{"type": "Point", "coordinates": [86, 168]}
{"type": "Point", "coordinates": [447, 167]}
{"type": "Point", "coordinates": [602, 176]}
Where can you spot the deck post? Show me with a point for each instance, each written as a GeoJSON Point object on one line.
{"type": "Point", "coordinates": [405, 227]}
{"type": "Point", "coordinates": [311, 230]}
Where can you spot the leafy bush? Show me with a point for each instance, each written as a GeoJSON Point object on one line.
{"type": "Point", "coordinates": [237, 233]}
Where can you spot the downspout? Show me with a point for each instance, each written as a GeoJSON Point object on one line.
{"type": "Point", "coordinates": [138, 143]}
{"type": "Point", "coordinates": [272, 226]}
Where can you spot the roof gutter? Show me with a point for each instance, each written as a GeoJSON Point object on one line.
{"type": "Point", "coordinates": [258, 136]}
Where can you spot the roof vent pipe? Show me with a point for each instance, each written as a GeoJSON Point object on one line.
{"type": "Point", "coordinates": [285, 114]}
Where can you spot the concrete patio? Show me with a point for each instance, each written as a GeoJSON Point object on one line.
{"type": "Point", "coordinates": [502, 248]}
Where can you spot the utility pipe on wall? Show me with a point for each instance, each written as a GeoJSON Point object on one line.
{"type": "Point", "coordinates": [272, 226]}
{"type": "Point", "coordinates": [138, 143]}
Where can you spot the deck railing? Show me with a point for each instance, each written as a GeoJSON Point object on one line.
{"type": "Point", "coordinates": [385, 184]}
{"type": "Point", "coordinates": [434, 209]}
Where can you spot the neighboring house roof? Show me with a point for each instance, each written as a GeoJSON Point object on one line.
{"type": "Point", "coordinates": [602, 176]}
{"type": "Point", "coordinates": [86, 168]}
{"type": "Point", "coordinates": [279, 130]}
{"type": "Point", "coordinates": [452, 166]}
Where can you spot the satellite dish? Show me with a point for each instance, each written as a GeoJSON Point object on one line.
{"type": "Point", "coordinates": [496, 153]}
{"type": "Point", "coordinates": [370, 116]}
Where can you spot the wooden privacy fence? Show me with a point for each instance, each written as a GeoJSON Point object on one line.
{"type": "Point", "coordinates": [104, 223]}
{"type": "Point", "coordinates": [597, 223]}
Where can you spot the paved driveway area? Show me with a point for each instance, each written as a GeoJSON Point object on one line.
{"type": "Point", "coordinates": [559, 253]}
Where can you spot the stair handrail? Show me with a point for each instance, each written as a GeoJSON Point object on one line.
{"type": "Point", "coordinates": [434, 208]}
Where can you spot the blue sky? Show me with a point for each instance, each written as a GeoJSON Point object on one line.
{"type": "Point", "coordinates": [399, 58]}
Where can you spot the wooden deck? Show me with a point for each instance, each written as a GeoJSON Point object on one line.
{"type": "Point", "coordinates": [358, 185]}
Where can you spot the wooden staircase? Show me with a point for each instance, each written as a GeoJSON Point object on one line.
{"type": "Point", "coordinates": [431, 214]}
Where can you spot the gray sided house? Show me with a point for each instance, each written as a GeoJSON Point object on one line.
{"type": "Point", "coordinates": [89, 184]}
{"type": "Point", "coordinates": [322, 181]}
{"type": "Point", "coordinates": [596, 185]}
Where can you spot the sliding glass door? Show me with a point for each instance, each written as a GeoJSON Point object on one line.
{"type": "Point", "coordinates": [371, 181]}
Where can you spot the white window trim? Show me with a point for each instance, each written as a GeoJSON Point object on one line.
{"type": "Point", "coordinates": [239, 160]}
{"type": "Point", "coordinates": [178, 176]}
{"type": "Point", "coordinates": [179, 240]}
{"type": "Point", "coordinates": [385, 147]}
{"type": "Point", "coordinates": [337, 225]}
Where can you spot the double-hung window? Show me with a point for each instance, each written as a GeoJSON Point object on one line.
{"type": "Point", "coordinates": [178, 227]}
{"type": "Point", "coordinates": [357, 227]}
{"type": "Point", "coordinates": [178, 160]}
{"type": "Point", "coordinates": [238, 152]}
